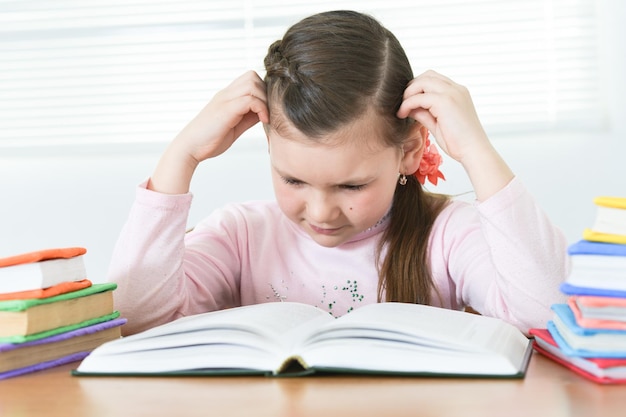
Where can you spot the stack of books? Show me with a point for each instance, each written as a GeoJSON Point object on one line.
{"type": "Point", "coordinates": [588, 333]}
{"type": "Point", "coordinates": [50, 313]}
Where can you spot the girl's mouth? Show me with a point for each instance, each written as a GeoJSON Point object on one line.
{"type": "Point", "coordinates": [324, 231]}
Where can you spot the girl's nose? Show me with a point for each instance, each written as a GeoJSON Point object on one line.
{"type": "Point", "coordinates": [321, 208]}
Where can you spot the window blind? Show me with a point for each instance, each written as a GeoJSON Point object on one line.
{"type": "Point", "coordinates": [135, 71]}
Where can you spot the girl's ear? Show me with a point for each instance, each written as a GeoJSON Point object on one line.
{"type": "Point", "coordinates": [413, 149]}
{"type": "Point", "coordinates": [266, 129]}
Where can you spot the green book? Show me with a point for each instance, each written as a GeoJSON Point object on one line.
{"type": "Point", "coordinates": [32, 319]}
{"type": "Point", "coordinates": [21, 305]}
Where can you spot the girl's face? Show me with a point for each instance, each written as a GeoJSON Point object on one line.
{"type": "Point", "coordinates": [336, 187]}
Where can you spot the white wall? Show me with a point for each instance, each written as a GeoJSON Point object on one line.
{"type": "Point", "coordinates": [52, 200]}
{"type": "Point", "coordinates": [66, 201]}
{"type": "Point", "coordinates": [77, 197]}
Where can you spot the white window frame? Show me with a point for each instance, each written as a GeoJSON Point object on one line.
{"type": "Point", "coordinates": [133, 72]}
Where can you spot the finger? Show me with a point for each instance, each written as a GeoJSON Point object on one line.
{"type": "Point", "coordinates": [429, 82]}
{"type": "Point", "coordinates": [259, 107]}
{"type": "Point", "coordinates": [425, 118]}
{"type": "Point", "coordinates": [248, 84]}
{"type": "Point", "coordinates": [247, 111]}
{"type": "Point", "coordinates": [247, 121]}
{"type": "Point", "coordinates": [416, 102]}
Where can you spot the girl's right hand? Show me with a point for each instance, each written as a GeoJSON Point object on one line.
{"type": "Point", "coordinates": [231, 112]}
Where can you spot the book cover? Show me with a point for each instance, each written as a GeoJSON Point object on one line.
{"type": "Point", "coordinates": [61, 288]}
{"type": "Point", "coordinates": [40, 366]}
{"type": "Point", "coordinates": [571, 289]}
{"type": "Point", "coordinates": [287, 338]}
{"type": "Point", "coordinates": [588, 247]}
{"type": "Point", "coordinates": [42, 255]}
{"type": "Point", "coordinates": [610, 201]}
{"type": "Point", "coordinates": [592, 235]}
{"type": "Point", "coordinates": [24, 304]}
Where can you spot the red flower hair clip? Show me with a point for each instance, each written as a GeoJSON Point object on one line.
{"type": "Point", "coordinates": [429, 165]}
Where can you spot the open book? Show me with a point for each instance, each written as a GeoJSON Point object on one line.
{"type": "Point", "coordinates": [293, 338]}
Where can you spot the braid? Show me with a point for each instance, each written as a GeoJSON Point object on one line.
{"type": "Point", "coordinates": [279, 66]}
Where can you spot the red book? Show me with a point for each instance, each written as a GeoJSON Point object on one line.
{"type": "Point", "coordinates": [599, 370]}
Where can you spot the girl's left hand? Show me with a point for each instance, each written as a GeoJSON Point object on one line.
{"type": "Point", "coordinates": [446, 109]}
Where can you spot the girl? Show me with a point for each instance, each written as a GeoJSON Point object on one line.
{"type": "Point", "coordinates": [347, 126]}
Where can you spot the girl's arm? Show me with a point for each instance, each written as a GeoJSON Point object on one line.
{"type": "Point", "coordinates": [154, 270]}
{"type": "Point", "coordinates": [231, 112]}
{"type": "Point", "coordinates": [509, 261]}
{"type": "Point", "coordinates": [446, 110]}
{"type": "Point", "coordinates": [504, 255]}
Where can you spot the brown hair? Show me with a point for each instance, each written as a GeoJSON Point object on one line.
{"type": "Point", "coordinates": [327, 71]}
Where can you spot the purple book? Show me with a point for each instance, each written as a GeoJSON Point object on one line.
{"type": "Point", "coordinates": [44, 365]}
{"type": "Point", "coordinates": [5, 347]}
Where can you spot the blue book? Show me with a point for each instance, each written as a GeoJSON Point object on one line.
{"type": "Point", "coordinates": [565, 315]}
{"type": "Point", "coordinates": [587, 247]}
{"type": "Point", "coordinates": [581, 352]}
{"type": "Point", "coordinates": [584, 342]}
{"type": "Point", "coordinates": [570, 289]}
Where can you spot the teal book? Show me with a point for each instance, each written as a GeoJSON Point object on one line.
{"type": "Point", "coordinates": [293, 339]}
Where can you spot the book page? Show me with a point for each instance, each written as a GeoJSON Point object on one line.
{"type": "Point", "coordinates": [417, 338]}
{"type": "Point", "coordinates": [610, 220]}
{"type": "Point", "coordinates": [250, 337]}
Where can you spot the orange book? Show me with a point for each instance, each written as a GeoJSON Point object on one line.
{"type": "Point", "coordinates": [42, 255]}
{"type": "Point", "coordinates": [41, 269]}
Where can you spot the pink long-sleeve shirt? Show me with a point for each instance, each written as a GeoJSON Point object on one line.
{"type": "Point", "coordinates": [502, 256]}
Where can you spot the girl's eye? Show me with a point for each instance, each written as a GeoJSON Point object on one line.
{"type": "Point", "coordinates": [348, 187]}
{"type": "Point", "coordinates": [291, 181]}
{"type": "Point", "coordinates": [352, 187]}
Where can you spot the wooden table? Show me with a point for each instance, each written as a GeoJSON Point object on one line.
{"type": "Point", "coordinates": [547, 390]}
